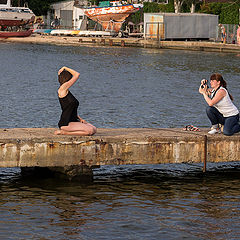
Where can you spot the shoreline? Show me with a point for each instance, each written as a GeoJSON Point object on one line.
{"type": "Point", "coordinates": [126, 42]}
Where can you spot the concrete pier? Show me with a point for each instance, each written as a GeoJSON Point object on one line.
{"type": "Point", "coordinates": [37, 147]}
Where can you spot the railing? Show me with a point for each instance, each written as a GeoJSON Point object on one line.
{"type": "Point", "coordinates": [226, 33]}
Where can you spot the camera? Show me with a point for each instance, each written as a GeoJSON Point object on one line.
{"type": "Point", "coordinates": [204, 83]}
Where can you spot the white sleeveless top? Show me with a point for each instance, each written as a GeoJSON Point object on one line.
{"type": "Point", "coordinates": [225, 106]}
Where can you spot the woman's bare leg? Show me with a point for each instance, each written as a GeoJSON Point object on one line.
{"type": "Point", "coordinates": [77, 133]}
{"type": "Point", "coordinates": [93, 127]}
{"type": "Point", "coordinates": [77, 128]}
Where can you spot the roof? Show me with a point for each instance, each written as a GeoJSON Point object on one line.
{"type": "Point", "coordinates": [218, 1]}
{"type": "Point", "coordinates": [180, 14]}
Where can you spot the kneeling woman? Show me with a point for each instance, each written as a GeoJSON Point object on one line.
{"type": "Point", "coordinates": [221, 109]}
{"type": "Point", "coordinates": [70, 123]}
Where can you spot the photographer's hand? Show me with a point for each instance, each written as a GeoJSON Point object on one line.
{"type": "Point", "coordinates": [203, 90]}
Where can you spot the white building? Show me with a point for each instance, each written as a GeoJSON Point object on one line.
{"type": "Point", "coordinates": [70, 13]}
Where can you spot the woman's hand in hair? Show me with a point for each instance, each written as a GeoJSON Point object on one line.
{"type": "Point", "coordinates": [60, 70]}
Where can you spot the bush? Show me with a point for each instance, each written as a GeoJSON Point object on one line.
{"type": "Point", "coordinates": [228, 12]}
{"type": "Point", "coordinates": [153, 7]}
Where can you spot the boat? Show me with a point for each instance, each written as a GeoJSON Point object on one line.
{"type": "Point", "coordinates": [66, 32]}
{"type": "Point", "coordinates": [7, 34]}
{"type": "Point", "coordinates": [14, 16]}
{"type": "Point", "coordinates": [110, 15]}
{"type": "Point", "coordinates": [42, 31]}
{"type": "Point", "coordinates": [91, 33]}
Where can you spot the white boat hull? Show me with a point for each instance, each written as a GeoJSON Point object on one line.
{"type": "Point", "coordinates": [15, 16]}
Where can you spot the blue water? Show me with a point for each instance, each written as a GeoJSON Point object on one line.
{"type": "Point", "coordinates": [118, 87]}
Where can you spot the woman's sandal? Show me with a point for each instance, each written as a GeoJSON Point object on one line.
{"type": "Point", "coordinates": [191, 128]}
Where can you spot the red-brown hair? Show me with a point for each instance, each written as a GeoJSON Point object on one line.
{"type": "Point", "coordinates": [223, 83]}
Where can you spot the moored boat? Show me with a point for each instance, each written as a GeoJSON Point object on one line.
{"type": "Point", "coordinates": [110, 15]}
{"type": "Point", "coordinates": [14, 16]}
{"type": "Point", "coordinates": [7, 34]}
{"type": "Point", "coordinates": [42, 31]}
{"type": "Point", "coordinates": [61, 32]}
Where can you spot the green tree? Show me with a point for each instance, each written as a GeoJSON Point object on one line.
{"type": "Point", "coordinates": [154, 7]}
{"type": "Point", "coordinates": [228, 12]}
{"type": "Point", "coordinates": [39, 7]}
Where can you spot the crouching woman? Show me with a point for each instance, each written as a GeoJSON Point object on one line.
{"type": "Point", "coordinates": [221, 110]}
{"type": "Point", "coordinates": [70, 123]}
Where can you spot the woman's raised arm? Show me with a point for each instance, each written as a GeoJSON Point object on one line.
{"type": "Point", "coordinates": [75, 76]}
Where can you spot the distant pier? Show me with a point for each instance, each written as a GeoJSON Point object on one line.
{"type": "Point", "coordinates": [208, 46]}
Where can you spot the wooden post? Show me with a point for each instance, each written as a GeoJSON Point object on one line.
{"type": "Point", "coordinates": [205, 154]}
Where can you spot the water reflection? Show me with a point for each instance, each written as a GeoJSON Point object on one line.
{"type": "Point", "coordinates": [125, 203]}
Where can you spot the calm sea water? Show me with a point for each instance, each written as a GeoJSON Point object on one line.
{"type": "Point", "coordinates": [118, 87]}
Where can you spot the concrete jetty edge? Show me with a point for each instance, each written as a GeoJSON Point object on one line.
{"type": "Point", "coordinates": [208, 46]}
{"type": "Point", "coordinates": [39, 147]}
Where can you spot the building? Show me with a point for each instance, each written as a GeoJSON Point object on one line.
{"type": "Point", "coordinates": [70, 14]}
{"type": "Point", "coordinates": [180, 26]}
{"type": "Point", "coordinates": [218, 1]}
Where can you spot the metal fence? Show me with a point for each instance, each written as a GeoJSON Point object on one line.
{"type": "Point", "coordinates": [230, 33]}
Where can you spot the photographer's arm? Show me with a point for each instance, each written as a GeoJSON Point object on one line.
{"type": "Point", "coordinates": [219, 95]}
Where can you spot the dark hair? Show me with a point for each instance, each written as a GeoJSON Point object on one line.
{"type": "Point", "coordinates": [223, 83]}
{"type": "Point", "coordinates": [64, 76]}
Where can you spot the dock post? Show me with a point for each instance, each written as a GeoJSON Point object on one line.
{"type": "Point", "coordinates": [110, 42]}
{"type": "Point", "coordinates": [103, 41]}
{"type": "Point", "coordinates": [205, 154]}
{"type": "Point", "coordinates": [122, 43]}
{"type": "Point", "coordinates": [80, 40]}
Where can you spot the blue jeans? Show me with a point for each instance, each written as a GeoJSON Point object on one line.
{"type": "Point", "coordinates": [231, 124]}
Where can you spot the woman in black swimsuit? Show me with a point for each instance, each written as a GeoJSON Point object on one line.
{"type": "Point", "coordinates": [70, 123]}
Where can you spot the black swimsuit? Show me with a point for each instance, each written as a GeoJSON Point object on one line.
{"type": "Point", "coordinates": [69, 105]}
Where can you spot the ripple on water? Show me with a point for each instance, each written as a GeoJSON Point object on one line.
{"type": "Point", "coordinates": [117, 88]}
